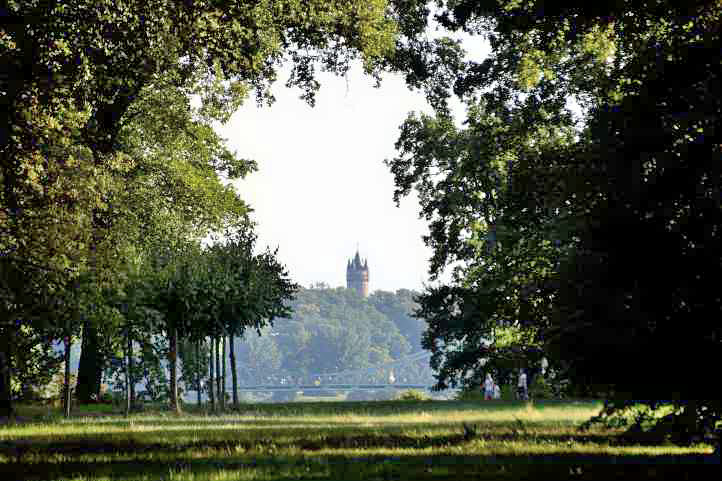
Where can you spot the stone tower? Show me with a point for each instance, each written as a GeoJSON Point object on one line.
{"type": "Point", "coordinates": [357, 275]}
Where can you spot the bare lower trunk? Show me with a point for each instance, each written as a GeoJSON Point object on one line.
{"type": "Point", "coordinates": [173, 355]}
{"type": "Point", "coordinates": [218, 373]}
{"type": "Point", "coordinates": [198, 373]}
{"type": "Point", "coordinates": [223, 375]}
{"type": "Point", "coordinates": [6, 402]}
{"type": "Point", "coordinates": [211, 385]}
{"type": "Point", "coordinates": [127, 374]}
{"type": "Point", "coordinates": [234, 370]}
{"type": "Point", "coordinates": [131, 368]}
{"type": "Point", "coordinates": [66, 381]}
{"type": "Point", "coordinates": [691, 427]}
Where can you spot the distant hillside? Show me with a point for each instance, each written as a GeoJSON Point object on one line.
{"type": "Point", "coordinates": [333, 329]}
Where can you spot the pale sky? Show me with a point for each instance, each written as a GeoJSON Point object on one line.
{"type": "Point", "coordinates": [322, 188]}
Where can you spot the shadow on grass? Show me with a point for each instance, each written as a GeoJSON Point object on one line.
{"type": "Point", "coordinates": [415, 467]}
{"type": "Point", "coordinates": [340, 438]}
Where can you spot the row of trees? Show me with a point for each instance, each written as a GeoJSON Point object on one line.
{"type": "Point", "coordinates": [111, 178]}
{"type": "Point", "coordinates": [591, 236]}
{"type": "Point", "coordinates": [207, 297]}
{"type": "Point", "coordinates": [328, 330]}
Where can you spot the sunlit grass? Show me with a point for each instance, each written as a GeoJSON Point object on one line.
{"type": "Point", "coordinates": [409, 440]}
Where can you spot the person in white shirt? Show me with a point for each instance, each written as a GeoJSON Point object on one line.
{"type": "Point", "coordinates": [488, 387]}
{"type": "Point", "coordinates": [521, 386]}
{"type": "Point", "coordinates": [497, 391]}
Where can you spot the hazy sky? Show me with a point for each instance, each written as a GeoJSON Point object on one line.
{"type": "Point", "coordinates": [322, 186]}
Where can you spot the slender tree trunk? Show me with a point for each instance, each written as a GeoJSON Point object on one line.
{"type": "Point", "coordinates": [691, 423]}
{"type": "Point", "coordinates": [173, 355]}
{"type": "Point", "coordinates": [218, 373]}
{"type": "Point", "coordinates": [211, 385]}
{"type": "Point", "coordinates": [6, 399]}
{"type": "Point", "coordinates": [198, 373]}
{"type": "Point", "coordinates": [131, 368]}
{"type": "Point", "coordinates": [67, 398]}
{"type": "Point", "coordinates": [128, 381]}
{"type": "Point", "coordinates": [234, 370]}
{"type": "Point", "coordinates": [223, 370]}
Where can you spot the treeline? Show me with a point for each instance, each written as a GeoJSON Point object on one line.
{"type": "Point", "coordinates": [332, 330]}
{"type": "Point", "coordinates": [185, 308]}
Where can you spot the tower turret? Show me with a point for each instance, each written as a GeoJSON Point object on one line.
{"type": "Point", "coordinates": [357, 275]}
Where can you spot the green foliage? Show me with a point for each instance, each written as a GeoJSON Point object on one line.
{"type": "Point", "coordinates": [103, 157]}
{"type": "Point", "coordinates": [412, 395]}
{"type": "Point", "coordinates": [399, 307]}
{"type": "Point", "coordinates": [541, 388]}
{"type": "Point", "coordinates": [193, 367]}
{"type": "Point", "coordinates": [55, 388]}
{"type": "Point", "coordinates": [153, 373]}
{"type": "Point", "coordinates": [555, 228]}
{"type": "Point", "coordinates": [333, 330]}
{"type": "Point", "coordinates": [35, 362]}
{"type": "Point", "coordinates": [473, 394]}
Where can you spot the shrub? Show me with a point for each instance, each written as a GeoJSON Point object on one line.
{"type": "Point", "coordinates": [117, 397]}
{"type": "Point", "coordinates": [508, 393]}
{"type": "Point", "coordinates": [470, 394]}
{"type": "Point", "coordinates": [541, 389]}
{"type": "Point", "coordinates": [54, 390]}
{"type": "Point", "coordinates": [413, 395]}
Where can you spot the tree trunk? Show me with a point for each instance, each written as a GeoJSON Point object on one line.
{"type": "Point", "coordinates": [6, 398]}
{"type": "Point", "coordinates": [223, 376]}
{"type": "Point", "coordinates": [131, 368]}
{"type": "Point", "coordinates": [234, 370]}
{"type": "Point", "coordinates": [198, 373]}
{"type": "Point", "coordinates": [67, 398]}
{"type": "Point", "coordinates": [173, 361]}
{"type": "Point", "coordinates": [90, 367]}
{"type": "Point", "coordinates": [128, 381]}
{"type": "Point", "coordinates": [211, 385]}
{"type": "Point", "coordinates": [690, 423]}
{"type": "Point", "coordinates": [218, 373]}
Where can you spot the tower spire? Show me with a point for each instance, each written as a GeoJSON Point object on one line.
{"type": "Point", "coordinates": [357, 274]}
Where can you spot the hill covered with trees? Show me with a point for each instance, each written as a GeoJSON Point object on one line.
{"type": "Point", "coordinates": [333, 330]}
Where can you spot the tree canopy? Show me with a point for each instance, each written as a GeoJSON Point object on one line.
{"type": "Point", "coordinates": [102, 155]}
{"type": "Point", "coordinates": [593, 238]}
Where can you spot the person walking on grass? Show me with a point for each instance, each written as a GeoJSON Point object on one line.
{"type": "Point", "coordinates": [497, 391]}
{"type": "Point", "coordinates": [488, 387]}
{"type": "Point", "coordinates": [522, 393]}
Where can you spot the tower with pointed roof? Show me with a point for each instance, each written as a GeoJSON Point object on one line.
{"type": "Point", "coordinates": [357, 275]}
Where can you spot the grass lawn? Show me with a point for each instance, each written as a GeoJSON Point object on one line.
{"type": "Point", "coordinates": [345, 440]}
